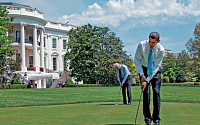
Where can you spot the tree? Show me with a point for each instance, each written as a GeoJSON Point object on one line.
{"type": "Point", "coordinates": [6, 62]}
{"type": "Point", "coordinates": [183, 61]}
{"type": "Point", "coordinates": [193, 47]}
{"type": "Point", "coordinates": [171, 73]}
{"type": "Point", "coordinates": [169, 61]}
{"type": "Point", "coordinates": [92, 52]}
{"type": "Point", "coordinates": [181, 76]}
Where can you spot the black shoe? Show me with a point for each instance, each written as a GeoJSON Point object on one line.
{"type": "Point", "coordinates": [129, 103]}
{"type": "Point", "coordinates": [147, 123]}
{"type": "Point", "coordinates": [157, 123]}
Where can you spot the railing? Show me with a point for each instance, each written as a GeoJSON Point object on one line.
{"type": "Point", "coordinates": [33, 69]}
{"type": "Point", "coordinates": [27, 41]}
{"type": "Point", "coordinates": [25, 11]}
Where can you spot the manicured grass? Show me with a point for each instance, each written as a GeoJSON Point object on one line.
{"type": "Point", "coordinates": [94, 105]}
{"type": "Point", "coordinates": [38, 97]}
{"type": "Point", "coordinates": [104, 113]}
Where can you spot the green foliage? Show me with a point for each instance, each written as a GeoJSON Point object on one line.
{"type": "Point", "coordinates": [198, 77]}
{"type": "Point", "coordinates": [165, 79]}
{"type": "Point", "coordinates": [181, 76]}
{"type": "Point", "coordinates": [68, 82]}
{"type": "Point", "coordinates": [92, 52]}
{"type": "Point", "coordinates": [193, 47]}
{"type": "Point", "coordinates": [7, 63]}
{"type": "Point", "coordinates": [13, 86]}
{"type": "Point", "coordinates": [193, 84]}
{"type": "Point", "coordinates": [4, 42]}
{"type": "Point", "coordinates": [182, 61]}
{"type": "Point", "coordinates": [169, 72]}
{"type": "Point", "coordinates": [169, 61]}
{"type": "Point", "coordinates": [15, 81]}
{"type": "Point", "coordinates": [172, 79]}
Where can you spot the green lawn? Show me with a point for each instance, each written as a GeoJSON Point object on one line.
{"type": "Point", "coordinates": [105, 113]}
{"type": "Point", "coordinates": [35, 97]}
{"type": "Point", "coordinates": [180, 106]}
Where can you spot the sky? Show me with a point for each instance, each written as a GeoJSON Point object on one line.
{"type": "Point", "coordinates": [131, 20]}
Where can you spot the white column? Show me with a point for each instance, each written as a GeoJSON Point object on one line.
{"type": "Point", "coordinates": [60, 59]}
{"type": "Point", "coordinates": [38, 84]}
{"type": "Point", "coordinates": [42, 49]}
{"type": "Point", "coordinates": [35, 58]}
{"type": "Point", "coordinates": [43, 83]}
{"type": "Point", "coordinates": [49, 45]}
{"type": "Point", "coordinates": [22, 36]}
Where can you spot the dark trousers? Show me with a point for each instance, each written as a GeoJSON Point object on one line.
{"type": "Point", "coordinates": [127, 85]}
{"type": "Point", "coordinates": [156, 84]}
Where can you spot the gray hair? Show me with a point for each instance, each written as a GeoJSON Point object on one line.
{"type": "Point", "coordinates": [116, 64]}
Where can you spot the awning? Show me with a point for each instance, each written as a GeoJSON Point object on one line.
{"type": "Point", "coordinates": [43, 76]}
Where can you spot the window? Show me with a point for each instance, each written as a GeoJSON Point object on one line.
{"type": "Point", "coordinates": [64, 44]}
{"type": "Point", "coordinates": [30, 61]}
{"type": "Point", "coordinates": [18, 36]}
{"type": "Point", "coordinates": [30, 39]}
{"type": "Point", "coordinates": [44, 61]}
{"type": "Point", "coordinates": [44, 41]}
{"type": "Point", "coordinates": [29, 10]}
{"type": "Point", "coordinates": [53, 43]}
{"type": "Point", "coordinates": [65, 65]}
{"type": "Point", "coordinates": [13, 8]}
{"type": "Point", "coordinates": [54, 64]}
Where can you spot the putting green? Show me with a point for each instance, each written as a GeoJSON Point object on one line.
{"type": "Point", "coordinates": [104, 113]}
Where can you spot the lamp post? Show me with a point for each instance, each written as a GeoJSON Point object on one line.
{"type": "Point", "coordinates": [25, 75]}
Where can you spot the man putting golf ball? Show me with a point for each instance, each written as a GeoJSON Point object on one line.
{"type": "Point", "coordinates": [148, 59]}
{"type": "Point", "coordinates": [124, 78]}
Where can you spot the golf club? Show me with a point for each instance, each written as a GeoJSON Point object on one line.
{"type": "Point", "coordinates": [118, 95]}
{"type": "Point", "coordinates": [138, 106]}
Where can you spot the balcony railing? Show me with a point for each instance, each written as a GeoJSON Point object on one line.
{"type": "Point", "coordinates": [33, 69]}
{"type": "Point", "coordinates": [27, 41]}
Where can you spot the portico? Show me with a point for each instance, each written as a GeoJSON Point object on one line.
{"type": "Point", "coordinates": [32, 44]}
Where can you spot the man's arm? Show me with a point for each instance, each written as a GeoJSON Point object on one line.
{"type": "Point", "coordinates": [118, 77]}
{"type": "Point", "coordinates": [137, 60]}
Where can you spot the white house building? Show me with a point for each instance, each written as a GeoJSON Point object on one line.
{"type": "Point", "coordinates": [40, 43]}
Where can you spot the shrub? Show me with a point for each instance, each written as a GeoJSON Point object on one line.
{"type": "Point", "coordinates": [15, 81]}
{"type": "Point", "coordinates": [93, 85]}
{"type": "Point", "coordinates": [198, 77]}
{"type": "Point", "coordinates": [181, 76]}
{"type": "Point", "coordinates": [165, 79]}
{"type": "Point", "coordinates": [13, 86]}
{"type": "Point", "coordinates": [181, 84]}
{"type": "Point", "coordinates": [172, 79]}
{"type": "Point", "coordinates": [69, 81]}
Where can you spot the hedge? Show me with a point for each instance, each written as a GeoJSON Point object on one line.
{"type": "Point", "coordinates": [106, 85]}
{"type": "Point", "coordinates": [13, 86]}
{"type": "Point", "coordinates": [181, 84]}
{"type": "Point", "coordinates": [89, 85]}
